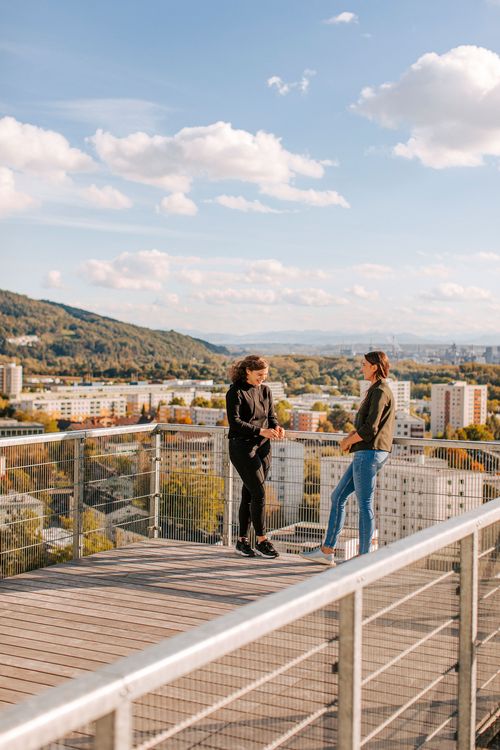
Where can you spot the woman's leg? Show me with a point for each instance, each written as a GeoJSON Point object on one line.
{"type": "Point", "coordinates": [337, 513]}
{"type": "Point", "coordinates": [251, 469]}
{"type": "Point", "coordinates": [366, 465]}
{"type": "Point", "coordinates": [244, 512]}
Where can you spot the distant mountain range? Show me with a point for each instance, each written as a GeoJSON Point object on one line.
{"type": "Point", "coordinates": [71, 341]}
{"type": "Point", "coordinates": [319, 338]}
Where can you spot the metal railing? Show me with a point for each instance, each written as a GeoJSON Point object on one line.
{"type": "Point", "coordinates": [291, 667]}
{"type": "Point", "coordinates": [67, 495]}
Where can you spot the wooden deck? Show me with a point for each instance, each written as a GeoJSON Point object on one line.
{"type": "Point", "coordinates": [59, 622]}
{"type": "Point", "coordinates": [65, 620]}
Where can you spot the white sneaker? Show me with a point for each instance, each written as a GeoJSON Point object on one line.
{"type": "Point", "coordinates": [318, 556]}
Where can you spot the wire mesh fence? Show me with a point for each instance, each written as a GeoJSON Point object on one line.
{"type": "Point", "coordinates": [273, 674]}
{"type": "Point", "coordinates": [66, 496]}
{"type": "Point", "coordinates": [262, 695]}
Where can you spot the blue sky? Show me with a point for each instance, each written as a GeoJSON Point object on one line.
{"type": "Point", "coordinates": [243, 167]}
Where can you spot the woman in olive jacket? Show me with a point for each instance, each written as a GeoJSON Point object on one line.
{"type": "Point", "coordinates": [252, 425]}
{"type": "Point", "coordinates": [371, 443]}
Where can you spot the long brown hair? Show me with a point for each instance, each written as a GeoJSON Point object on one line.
{"type": "Point", "coordinates": [381, 360]}
{"type": "Point", "coordinates": [238, 370]}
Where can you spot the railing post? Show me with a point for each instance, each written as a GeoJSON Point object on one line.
{"type": "Point", "coordinates": [78, 495]}
{"type": "Point", "coordinates": [114, 731]}
{"type": "Point", "coordinates": [467, 664]}
{"type": "Point", "coordinates": [154, 511]}
{"type": "Point", "coordinates": [349, 690]}
{"type": "Point", "coordinates": [227, 473]}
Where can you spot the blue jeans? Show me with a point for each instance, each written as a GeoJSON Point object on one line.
{"type": "Point", "coordinates": [360, 478]}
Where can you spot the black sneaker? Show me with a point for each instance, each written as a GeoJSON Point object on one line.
{"type": "Point", "coordinates": [243, 548]}
{"type": "Point", "coordinates": [266, 549]}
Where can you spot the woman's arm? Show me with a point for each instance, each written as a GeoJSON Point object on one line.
{"type": "Point", "coordinates": [233, 409]}
{"type": "Point", "coordinates": [272, 419]}
{"type": "Point", "coordinates": [367, 431]}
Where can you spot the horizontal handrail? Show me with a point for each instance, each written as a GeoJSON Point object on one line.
{"type": "Point", "coordinates": [152, 427]}
{"type": "Point", "coordinates": [58, 711]}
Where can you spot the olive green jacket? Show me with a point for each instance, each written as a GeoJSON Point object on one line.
{"type": "Point", "coordinates": [375, 419]}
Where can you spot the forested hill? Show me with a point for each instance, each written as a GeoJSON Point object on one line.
{"type": "Point", "coordinates": [78, 342]}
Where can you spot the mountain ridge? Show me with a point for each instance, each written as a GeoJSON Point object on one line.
{"type": "Point", "coordinates": [77, 341]}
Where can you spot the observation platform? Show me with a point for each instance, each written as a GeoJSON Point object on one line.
{"type": "Point", "coordinates": [62, 621]}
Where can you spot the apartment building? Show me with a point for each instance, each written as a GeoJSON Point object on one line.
{"type": "Point", "coordinates": [400, 390]}
{"type": "Point", "coordinates": [11, 380]}
{"type": "Point", "coordinates": [74, 408]}
{"type": "Point", "coordinates": [412, 493]}
{"type": "Point", "coordinates": [457, 404]}
{"type": "Point", "coordinates": [306, 420]}
{"type": "Point", "coordinates": [285, 480]}
{"type": "Point", "coordinates": [15, 428]}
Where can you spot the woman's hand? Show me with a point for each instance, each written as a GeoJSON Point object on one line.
{"type": "Point", "coordinates": [269, 433]}
{"type": "Point", "coordinates": [349, 440]}
{"type": "Point", "coordinates": [281, 432]}
{"type": "Point", "coordinates": [345, 444]}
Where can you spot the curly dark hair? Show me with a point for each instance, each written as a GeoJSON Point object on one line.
{"type": "Point", "coordinates": [381, 360]}
{"type": "Point", "coordinates": [238, 370]}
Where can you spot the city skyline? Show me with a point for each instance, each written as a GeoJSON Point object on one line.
{"type": "Point", "coordinates": [208, 168]}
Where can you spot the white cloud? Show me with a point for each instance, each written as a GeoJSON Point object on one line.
{"type": "Point", "coordinates": [178, 203]}
{"type": "Point", "coordinates": [107, 197]}
{"type": "Point", "coordinates": [283, 88]}
{"type": "Point", "coordinates": [359, 291]}
{"type": "Point", "coordinates": [449, 102]}
{"type": "Point", "coordinates": [215, 152]}
{"type": "Point", "coordinates": [271, 271]}
{"type": "Point", "coordinates": [38, 151]}
{"type": "Point", "coordinates": [52, 280]}
{"type": "Point", "coordinates": [11, 200]}
{"type": "Point", "coordinates": [373, 270]}
{"type": "Point", "coordinates": [143, 270]}
{"type": "Point", "coordinates": [238, 203]}
{"type": "Point", "coordinates": [450, 291]}
{"type": "Point", "coordinates": [344, 17]}
{"type": "Point", "coordinates": [309, 197]}
{"type": "Point", "coordinates": [258, 296]}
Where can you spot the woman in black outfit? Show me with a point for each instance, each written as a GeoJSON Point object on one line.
{"type": "Point", "coordinates": [252, 425]}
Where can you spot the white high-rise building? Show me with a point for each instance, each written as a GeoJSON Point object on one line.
{"type": "Point", "coordinates": [457, 404]}
{"type": "Point", "coordinates": [400, 390]}
{"type": "Point", "coordinates": [408, 426]}
{"type": "Point", "coordinates": [277, 389]}
{"type": "Point", "coordinates": [285, 479]}
{"type": "Point", "coordinates": [11, 380]}
{"type": "Point", "coordinates": [412, 493]}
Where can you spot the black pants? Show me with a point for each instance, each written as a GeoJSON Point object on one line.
{"type": "Point", "coordinates": [252, 463]}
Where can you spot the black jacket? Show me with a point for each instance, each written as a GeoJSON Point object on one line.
{"type": "Point", "coordinates": [249, 408]}
{"type": "Point", "coordinates": [375, 419]}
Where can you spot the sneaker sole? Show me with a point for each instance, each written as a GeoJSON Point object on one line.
{"type": "Point", "coordinates": [269, 557]}
{"type": "Point", "coordinates": [243, 554]}
{"type": "Point", "coordinates": [318, 562]}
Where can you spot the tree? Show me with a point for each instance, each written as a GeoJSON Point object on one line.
{"type": "Point", "coordinates": [200, 401]}
{"type": "Point", "coordinates": [282, 409]}
{"type": "Point", "coordinates": [218, 402]}
{"type": "Point", "coordinates": [320, 406]}
{"type": "Point", "coordinates": [338, 417]}
{"type": "Point", "coordinates": [94, 536]}
{"type": "Point", "coordinates": [476, 432]}
{"type": "Point", "coordinates": [21, 544]}
{"type": "Point", "coordinates": [177, 401]}
{"type": "Point", "coordinates": [193, 501]}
